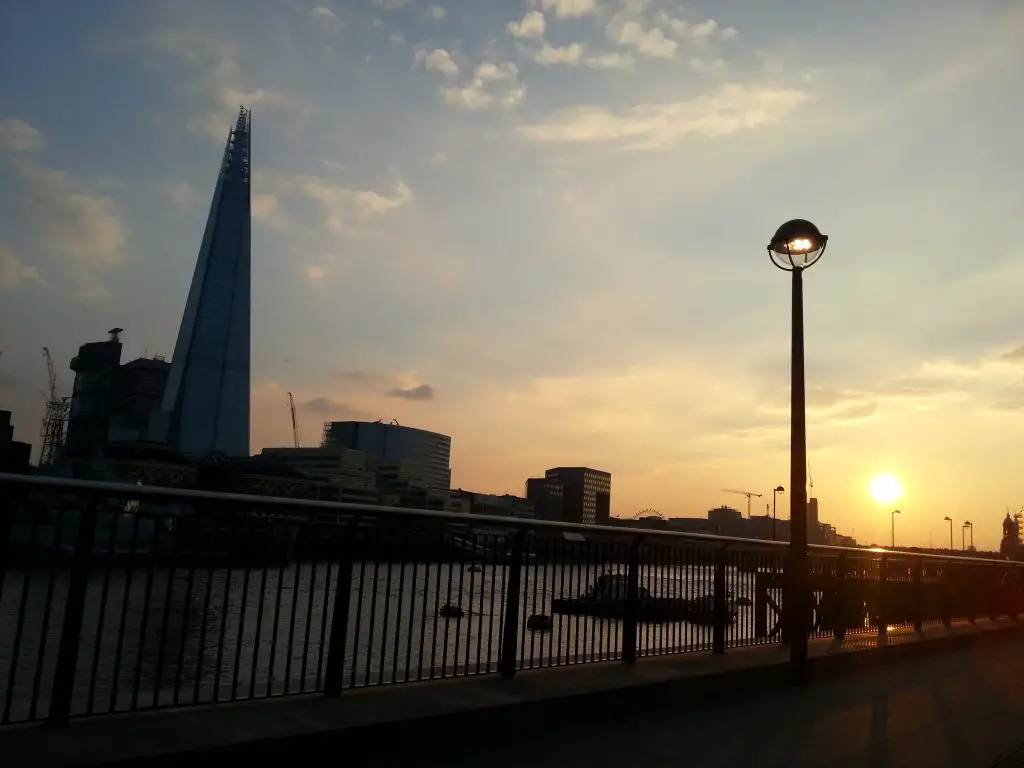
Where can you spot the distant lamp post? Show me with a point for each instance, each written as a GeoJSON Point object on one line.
{"type": "Point", "coordinates": [794, 247]}
{"type": "Point", "coordinates": [949, 520]}
{"type": "Point", "coordinates": [775, 492]}
{"type": "Point", "coordinates": [894, 513]}
{"type": "Point", "coordinates": [968, 525]}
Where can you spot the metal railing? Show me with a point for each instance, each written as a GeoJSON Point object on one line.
{"type": "Point", "coordinates": [119, 598]}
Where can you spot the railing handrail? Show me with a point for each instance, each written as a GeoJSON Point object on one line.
{"type": "Point", "coordinates": [128, 491]}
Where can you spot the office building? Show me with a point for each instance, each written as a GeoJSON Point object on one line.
{"type": "Point", "coordinates": [92, 397]}
{"type": "Point", "coordinates": [383, 443]}
{"type": "Point", "coordinates": [205, 407]}
{"type": "Point", "coordinates": [546, 496]}
{"type": "Point", "coordinates": [138, 392]}
{"type": "Point", "coordinates": [585, 493]}
{"type": "Point", "coordinates": [335, 475]}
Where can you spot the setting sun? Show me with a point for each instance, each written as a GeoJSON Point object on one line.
{"type": "Point", "coordinates": [885, 488]}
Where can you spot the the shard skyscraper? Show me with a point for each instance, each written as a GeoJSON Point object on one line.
{"type": "Point", "coordinates": [206, 403]}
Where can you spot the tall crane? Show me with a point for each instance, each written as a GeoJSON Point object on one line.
{"type": "Point", "coordinates": [55, 420]}
{"type": "Point", "coordinates": [748, 494]}
{"type": "Point", "coordinates": [295, 420]}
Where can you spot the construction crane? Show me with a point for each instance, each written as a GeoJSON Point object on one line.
{"type": "Point", "coordinates": [55, 420]}
{"type": "Point", "coordinates": [748, 494]}
{"type": "Point", "coordinates": [295, 420]}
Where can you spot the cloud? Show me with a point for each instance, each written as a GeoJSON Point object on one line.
{"type": "Point", "coordinates": [532, 25]}
{"type": "Point", "coordinates": [390, 5]}
{"type": "Point", "coordinates": [437, 12]}
{"type": "Point", "coordinates": [314, 273]}
{"type": "Point", "coordinates": [17, 135]}
{"type": "Point", "coordinates": [611, 60]}
{"type": "Point", "coordinates": [648, 42]}
{"type": "Point", "coordinates": [266, 209]}
{"type": "Point", "coordinates": [180, 192]}
{"type": "Point", "coordinates": [325, 18]}
{"type": "Point", "coordinates": [702, 32]}
{"type": "Point", "coordinates": [437, 60]}
{"type": "Point", "coordinates": [493, 85]}
{"type": "Point", "coordinates": [421, 392]}
{"type": "Point", "coordinates": [569, 9]}
{"type": "Point", "coordinates": [343, 207]}
{"type": "Point", "coordinates": [549, 55]}
{"type": "Point", "coordinates": [217, 79]}
{"type": "Point", "coordinates": [80, 228]}
{"type": "Point", "coordinates": [729, 109]}
{"type": "Point", "coordinates": [334, 409]}
{"type": "Point", "coordinates": [12, 270]}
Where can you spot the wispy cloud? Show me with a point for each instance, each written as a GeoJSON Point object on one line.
{"type": "Point", "coordinates": [729, 109]}
{"type": "Point", "coordinates": [421, 392]}
{"type": "Point", "coordinates": [12, 270]}
{"type": "Point", "coordinates": [17, 135]}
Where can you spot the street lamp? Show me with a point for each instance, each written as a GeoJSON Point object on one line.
{"type": "Point", "coordinates": [775, 492]}
{"type": "Point", "coordinates": [969, 524]}
{"type": "Point", "coordinates": [794, 247]}
{"type": "Point", "coordinates": [963, 534]}
{"type": "Point", "coordinates": [894, 513]}
{"type": "Point", "coordinates": [949, 520]}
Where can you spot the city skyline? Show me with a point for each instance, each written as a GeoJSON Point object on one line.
{"type": "Point", "coordinates": [540, 229]}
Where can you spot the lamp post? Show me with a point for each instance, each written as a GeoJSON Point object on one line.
{"type": "Point", "coordinates": [894, 513]}
{"type": "Point", "coordinates": [794, 247]}
{"type": "Point", "coordinates": [775, 492]}
{"type": "Point", "coordinates": [949, 520]}
{"type": "Point", "coordinates": [963, 535]}
{"type": "Point", "coordinates": [970, 525]}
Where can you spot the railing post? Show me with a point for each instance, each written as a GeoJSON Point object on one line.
{"type": "Point", "coordinates": [882, 607]}
{"type": "Point", "coordinates": [839, 630]}
{"type": "Point", "coordinates": [74, 610]}
{"type": "Point", "coordinates": [918, 596]}
{"type": "Point", "coordinates": [7, 504]}
{"type": "Point", "coordinates": [630, 620]}
{"type": "Point", "coordinates": [720, 615]}
{"type": "Point", "coordinates": [334, 674]}
{"type": "Point", "coordinates": [788, 601]}
{"type": "Point", "coordinates": [993, 590]}
{"type": "Point", "coordinates": [509, 651]}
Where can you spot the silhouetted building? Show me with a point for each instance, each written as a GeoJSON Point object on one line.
{"type": "Point", "coordinates": [205, 407]}
{"type": "Point", "coordinates": [1010, 546]}
{"type": "Point", "coordinates": [724, 515]}
{"type": "Point", "coordinates": [138, 391]}
{"type": "Point", "coordinates": [545, 494]}
{"type": "Point", "coordinates": [581, 489]}
{"type": "Point", "coordinates": [14, 454]}
{"type": "Point", "coordinates": [383, 443]}
{"type": "Point", "coordinates": [503, 505]}
{"type": "Point", "coordinates": [92, 399]}
{"type": "Point", "coordinates": [337, 475]}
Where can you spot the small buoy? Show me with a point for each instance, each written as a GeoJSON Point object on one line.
{"type": "Point", "coordinates": [744, 601]}
{"type": "Point", "coordinates": [451, 612]}
{"type": "Point", "coordinates": [539, 623]}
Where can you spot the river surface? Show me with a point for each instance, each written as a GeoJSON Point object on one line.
{"type": "Point", "coordinates": [161, 636]}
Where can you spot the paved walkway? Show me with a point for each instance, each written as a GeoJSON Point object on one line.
{"type": "Point", "coordinates": [911, 700]}
{"type": "Point", "coordinates": [958, 709]}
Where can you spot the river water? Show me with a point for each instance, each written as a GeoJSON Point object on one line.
{"type": "Point", "coordinates": [156, 637]}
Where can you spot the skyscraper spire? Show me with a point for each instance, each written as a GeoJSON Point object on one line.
{"type": "Point", "coordinates": [206, 404]}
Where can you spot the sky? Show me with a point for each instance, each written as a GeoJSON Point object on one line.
{"type": "Point", "coordinates": [539, 226]}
